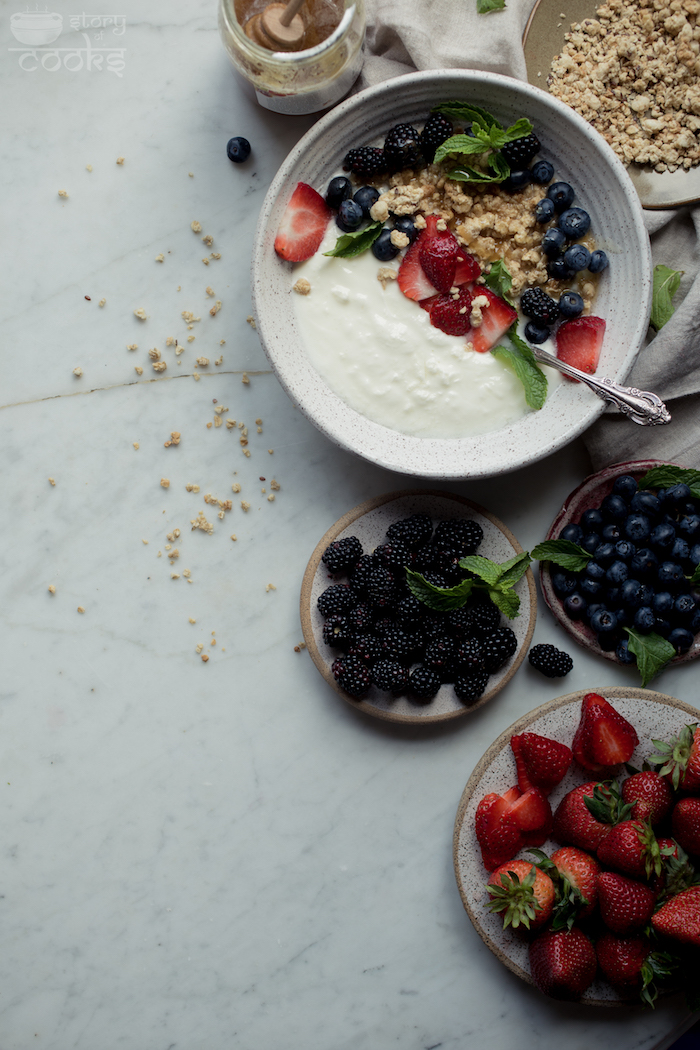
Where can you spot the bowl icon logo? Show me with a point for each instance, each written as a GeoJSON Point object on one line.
{"type": "Point", "coordinates": [36, 27]}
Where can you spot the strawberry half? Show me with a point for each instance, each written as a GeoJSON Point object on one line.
{"type": "Point", "coordinates": [603, 738]}
{"type": "Point", "coordinates": [497, 832]}
{"type": "Point", "coordinates": [303, 224]}
{"type": "Point", "coordinates": [411, 279]}
{"type": "Point", "coordinates": [451, 313]}
{"type": "Point", "coordinates": [579, 342]}
{"type": "Point", "coordinates": [498, 316]}
{"type": "Point", "coordinates": [467, 269]}
{"type": "Point", "coordinates": [540, 761]}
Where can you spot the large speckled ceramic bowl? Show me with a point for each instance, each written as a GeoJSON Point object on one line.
{"type": "Point", "coordinates": [652, 714]}
{"type": "Point", "coordinates": [369, 522]}
{"type": "Point", "coordinates": [581, 157]}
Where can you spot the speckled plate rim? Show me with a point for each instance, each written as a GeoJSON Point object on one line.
{"type": "Point", "coordinates": [484, 763]}
{"type": "Point", "coordinates": [573, 506]}
{"type": "Point", "coordinates": [324, 665]}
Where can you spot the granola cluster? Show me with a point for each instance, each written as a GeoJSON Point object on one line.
{"type": "Point", "coordinates": [632, 72]}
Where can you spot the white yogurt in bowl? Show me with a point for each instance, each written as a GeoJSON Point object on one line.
{"type": "Point", "coordinates": [379, 352]}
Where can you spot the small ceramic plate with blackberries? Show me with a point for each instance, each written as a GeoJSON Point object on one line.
{"type": "Point", "coordinates": [654, 716]}
{"type": "Point", "coordinates": [644, 546]}
{"type": "Point", "coordinates": [382, 649]}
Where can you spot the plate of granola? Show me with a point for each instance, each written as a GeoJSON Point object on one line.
{"type": "Point", "coordinates": [633, 72]}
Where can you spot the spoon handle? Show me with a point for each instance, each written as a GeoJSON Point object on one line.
{"type": "Point", "coordinates": [641, 406]}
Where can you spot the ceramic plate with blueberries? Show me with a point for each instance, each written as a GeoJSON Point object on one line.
{"type": "Point", "coordinates": [642, 548]}
{"type": "Point", "coordinates": [652, 715]}
{"type": "Point", "coordinates": [384, 651]}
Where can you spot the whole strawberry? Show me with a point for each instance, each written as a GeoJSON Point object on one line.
{"type": "Point", "coordinates": [575, 824]}
{"type": "Point", "coordinates": [630, 964]}
{"type": "Point", "coordinates": [562, 963]}
{"type": "Point", "coordinates": [649, 794]}
{"type": "Point", "coordinates": [625, 904]}
{"type": "Point", "coordinates": [679, 759]}
{"type": "Point", "coordinates": [579, 874]}
{"type": "Point", "coordinates": [679, 917]}
{"type": "Point", "coordinates": [604, 738]}
{"type": "Point", "coordinates": [685, 824]}
{"type": "Point", "coordinates": [631, 848]}
{"type": "Point", "coordinates": [522, 893]}
{"type": "Point", "coordinates": [540, 761]}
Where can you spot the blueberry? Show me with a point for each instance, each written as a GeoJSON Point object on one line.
{"type": "Point", "coordinates": [574, 223]}
{"type": "Point", "coordinates": [593, 608]}
{"type": "Point", "coordinates": [517, 180]}
{"type": "Point", "coordinates": [624, 616]}
{"type": "Point", "coordinates": [617, 572]}
{"type": "Point", "coordinates": [575, 606]}
{"type": "Point", "coordinates": [553, 242]}
{"type": "Point", "coordinates": [563, 583]}
{"type": "Point", "coordinates": [611, 532]}
{"type": "Point", "coordinates": [684, 608]}
{"type": "Point", "coordinates": [339, 189]}
{"type": "Point", "coordinates": [636, 527]}
{"type": "Point", "coordinates": [677, 494]}
{"type": "Point", "coordinates": [542, 172]}
{"type": "Point", "coordinates": [630, 593]}
{"type": "Point", "coordinates": [590, 542]}
{"type": "Point", "coordinates": [349, 216]}
{"type": "Point", "coordinates": [598, 261]}
{"type": "Point", "coordinates": [625, 550]}
{"type": "Point", "coordinates": [572, 532]}
{"type": "Point", "coordinates": [625, 486]}
{"type": "Point", "coordinates": [646, 594]}
{"type": "Point", "coordinates": [662, 603]}
{"type": "Point", "coordinates": [605, 554]}
{"type": "Point", "coordinates": [594, 569]}
{"type": "Point", "coordinates": [383, 249]}
{"type": "Point", "coordinates": [590, 588]}
{"type": "Point", "coordinates": [646, 503]}
{"type": "Point", "coordinates": [562, 194]}
{"type": "Point", "coordinates": [614, 508]}
{"type": "Point", "coordinates": [694, 557]}
{"type": "Point", "coordinates": [670, 576]}
{"type": "Point", "coordinates": [238, 149]}
{"type": "Point", "coordinates": [644, 619]}
{"type": "Point", "coordinates": [577, 256]}
{"type": "Point", "coordinates": [662, 537]}
{"type": "Point", "coordinates": [591, 520]}
{"type": "Point", "coordinates": [570, 303]}
{"type": "Point", "coordinates": [405, 224]}
{"type": "Point", "coordinates": [536, 333]}
{"type": "Point", "coordinates": [366, 196]}
{"type": "Point", "coordinates": [680, 551]}
{"type": "Point", "coordinates": [644, 562]}
{"type": "Point", "coordinates": [623, 653]}
{"type": "Point", "coordinates": [689, 526]}
{"type": "Point", "coordinates": [603, 621]}
{"type": "Point", "coordinates": [695, 622]}
{"type": "Point", "coordinates": [680, 639]}
{"type": "Point", "coordinates": [662, 627]}
{"type": "Point", "coordinates": [559, 271]}
{"type": "Point", "coordinates": [544, 210]}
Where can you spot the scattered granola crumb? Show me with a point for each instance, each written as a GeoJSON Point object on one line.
{"type": "Point", "coordinates": [202, 362]}
{"type": "Point", "coordinates": [258, 430]}
{"type": "Point", "coordinates": [298, 648]}
{"type": "Point", "coordinates": [145, 542]}
{"type": "Point", "coordinates": [160, 258]}
{"type": "Point", "coordinates": [196, 376]}
{"type": "Point", "coordinates": [209, 425]}
{"type": "Point", "coordinates": [191, 174]}
{"type": "Point", "coordinates": [215, 255]}
{"type": "Point", "coordinates": [160, 366]}
{"type": "Point", "coordinates": [270, 587]}
{"type": "Point", "coordinates": [88, 167]}
{"type": "Point", "coordinates": [222, 342]}
{"type": "Point", "coordinates": [120, 160]}
{"type": "Point", "coordinates": [275, 485]}
{"type": "Point", "coordinates": [174, 440]}
{"type": "Point", "coordinates": [205, 658]}
{"type": "Point", "coordinates": [154, 354]}
{"type": "Point", "coordinates": [187, 573]}
{"type": "Point", "coordinates": [132, 346]}
{"type": "Point", "coordinates": [215, 308]}
{"type": "Point", "coordinates": [192, 619]}
{"type": "Point", "coordinates": [77, 371]}
{"type": "Point", "coordinates": [140, 313]}
{"type": "Point", "coordinates": [271, 451]}
{"type": "Point", "coordinates": [63, 193]}
{"type": "Point", "coordinates": [219, 360]}
{"type": "Point", "coordinates": [52, 588]}
{"type": "Point", "coordinates": [246, 452]}
{"type": "Point", "coordinates": [251, 321]}
{"type": "Point", "coordinates": [217, 421]}
{"type": "Point", "coordinates": [236, 487]}
{"type": "Point", "coordinates": [258, 422]}
{"type": "Point", "coordinates": [233, 536]}
{"type": "Point", "coordinates": [386, 273]}
{"type": "Point", "coordinates": [208, 240]}
{"type": "Point", "coordinates": [190, 338]}
{"type": "Point", "coordinates": [196, 226]}
{"type": "Point", "coordinates": [302, 286]}
{"type": "Point", "coordinates": [165, 483]}
{"type": "Point", "coordinates": [174, 575]}
{"type": "Point", "coordinates": [102, 302]}
{"type": "Point", "coordinates": [199, 647]}
{"type": "Point", "coordinates": [271, 498]}
{"type": "Point", "coordinates": [135, 444]}
{"type": "Point", "coordinates": [138, 370]}
{"type": "Point", "coordinates": [213, 641]}
{"type": "Point", "coordinates": [52, 481]}
{"type": "Point", "coordinates": [205, 261]}
{"type": "Point", "coordinates": [200, 522]}
{"type": "Point", "coordinates": [245, 378]}
{"type": "Point", "coordinates": [245, 505]}
{"type": "Point", "coordinates": [170, 340]}
{"type": "Point", "coordinates": [81, 609]}
{"type": "Point", "coordinates": [210, 291]}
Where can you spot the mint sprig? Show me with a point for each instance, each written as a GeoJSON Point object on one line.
{"type": "Point", "coordinates": [499, 280]}
{"type": "Point", "coordinates": [487, 137]}
{"type": "Point", "coordinates": [465, 112]}
{"type": "Point", "coordinates": [564, 553]}
{"type": "Point", "coordinates": [442, 599]}
{"type": "Point", "coordinates": [652, 652]}
{"type": "Point", "coordinates": [496, 579]}
{"type": "Point", "coordinates": [666, 284]}
{"type": "Point", "coordinates": [664, 476]}
{"type": "Point", "coordinates": [484, 7]}
{"type": "Point", "coordinates": [520, 358]}
{"type": "Point", "coordinates": [351, 244]}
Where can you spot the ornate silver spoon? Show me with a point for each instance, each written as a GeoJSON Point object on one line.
{"type": "Point", "coordinates": [641, 406]}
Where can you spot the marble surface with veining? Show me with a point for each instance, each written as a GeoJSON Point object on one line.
{"type": "Point", "coordinates": [199, 855]}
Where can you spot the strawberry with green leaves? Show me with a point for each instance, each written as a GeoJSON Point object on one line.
{"type": "Point", "coordinates": [603, 739]}
{"type": "Point", "coordinates": [626, 905]}
{"type": "Point", "coordinates": [562, 963]}
{"type": "Point", "coordinates": [522, 893]}
{"type": "Point", "coordinates": [679, 759]}
{"type": "Point", "coordinates": [632, 849]}
{"type": "Point", "coordinates": [585, 815]}
{"type": "Point", "coordinates": [575, 876]}
{"type": "Point", "coordinates": [630, 965]}
{"type": "Point", "coordinates": [685, 824]}
{"type": "Point", "coordinates": [649, 794]}
{"type": "Point", "coordinates": [540, 761]}
{"type": "Point", "coordinates": [679, 917]}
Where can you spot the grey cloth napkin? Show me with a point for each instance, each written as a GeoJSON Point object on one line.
{"type": "Point", "coordinates": [406, 35]}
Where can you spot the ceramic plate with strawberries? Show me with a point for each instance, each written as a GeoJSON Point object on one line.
{"type": "Point", "coordinates": [626, 734]}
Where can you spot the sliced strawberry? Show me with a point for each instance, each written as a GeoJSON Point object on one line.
{"type": "Point", "coordinates": [498, 835]}
{"type": "Point", "coordinates": [579, 342]}
{"type": "Point", "coordinates": [498, 316]}
{"type": "Point", "coordinates": [451, 313]}
{"type": "Point", "coordinates": [303, 224]}
{"type": "Point", "coordinates": [603, 737]}
{"type": "Point", "coordinates": [467, 269]}
{"type": "Point", "coordinates": [531, 811]}
{"type": "Point", "coordinates": [438, 257]}
{"type": "Point", "coordinates": [411, 280]}
{"type": "Point", "coordinates": [540, 760]}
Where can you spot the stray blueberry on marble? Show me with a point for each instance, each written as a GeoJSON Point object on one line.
{"type": "Point", "coordinates": [238, 149]}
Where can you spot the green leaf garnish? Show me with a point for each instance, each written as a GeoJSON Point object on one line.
{"type": "Point", "coordinates": [351, 244]}
{"type": "Point", "coordinates": [519, 130]}
{"type": "Point", "coordinates": [466, 112]}
{"type": "Point", "coordinates": [652, 651]}
{"type": "Point", "coordinates": [564, 553]}
{"type": "Point", "coordinates": [499, 280]}
{"type": "Point", "coordinates": [440, 598]}
{"type": "Point", "coordinates": [520, 358]}
{"type": "Point", "coordinates": [462, 144]}
{"type": "Point", "coordinates": [666, 284]}
{"type": "Point", "coordinates": [465, 173]}
{"type": "Point", "coordinates": [487, 137]}
{"type": "Point", "coordinates": [497, 579]}
{"type": "Point", "coordinates": [666, 475]}
{"type": "Point", "coordinates": [487, 570]}
{"type": "Point", "coordinates": [507, 602]}
{"type": "Point", "coordinates": [513, 570]}
{"type": "Point", "coordinates": [694, 576]}
{"type": "Point", "coordinates": [483, 7]}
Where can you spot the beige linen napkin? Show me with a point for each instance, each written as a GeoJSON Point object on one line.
{"type": "Point", "coordinates": [405, 35]}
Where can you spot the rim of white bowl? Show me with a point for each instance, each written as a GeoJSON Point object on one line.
{"type": "Point", "coordinates": [485, 455]}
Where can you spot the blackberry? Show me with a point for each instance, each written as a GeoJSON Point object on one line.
{"type": "Point", "coordinates": [366, 647]}
{"type": "Point", "coordinates": [469, 687]}
{"type": "Point", "coordinates": [498, 647]}
{"type": "Point", "coordinates": [394, 555]}
{"type": "Point", "coordinates": [439, 656]}
{"type": "Point", "coordinates": [352, 675]}
{"type": "Point", "coordinates": [390, 676]}
{"type": "Point", "coordinates": [365, 162]}
{"type": "Point", "coordinates": [335, 599]}
{"type": "Point", "coordinates": [409, 611]}
{"type": "Point", "coordinates": [485, 616]}
{"type": "Point", "coordinates": [337, 631]}
{"type": "Point", "coordinates": [539, 306]}
{"type": "Point", "coordinates": [341, 555]}
{"type": "Point", "coordinates": [360, 618]}
{"type": "Point", "coordinates": [437, 129]}
{"type": "Point", "coordinates": [414, 531]}
{"type": "Point", "coordinates": [381, 587]}
{"type": "Point", "coordinates": [424, 683]}
{"type": "Point", "coordinates": [460, 622]}
{"type": "Point", "coordinates": [470, 657]}
{"type": "Point", "coordinates": [399, 643]}
{"type": "Point", "coordinates": [459, 534]}
{"type": "Point", "coordinates": [521, 151]}
{"type": "Point", "coordinates": [359, 575]}
{"type": "Point", "coordinates": [402, 147]}
{"type": "Point", "coordinates": [550, 662]}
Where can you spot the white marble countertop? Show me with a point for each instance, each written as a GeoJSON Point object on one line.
{"type": "Point", "coordinates": [222, 854]}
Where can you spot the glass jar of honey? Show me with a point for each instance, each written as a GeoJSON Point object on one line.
{"type": "Point", "coordinates": [320, 72]}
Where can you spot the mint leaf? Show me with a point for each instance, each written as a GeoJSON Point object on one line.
{"type": "Point", "coordinates": [506, 602]}
{"type": "Point", "coordinates": [564, 553]}
{"type": "Point", "coordinates": [499, 166]}
{"type": "Point", "coordinates": [467, 113]}
{"type": "Point", "coordinates": [464, 173]}
{"type": "Point", "coordinates": [520, 358]}
{"type": "Point", "coordinates": [499, 280]}
{"type": "Point", "coordinates": [519, 130]}
{"type": "Point", "coordinates": [440, 598]}
{"type": "Point", "coordinates": [666, 284]}
{"type": "Point", "coordinates": [462, 144]}
{"type": "Point", "coordinates": [488, 571]}
{"type": "Point", "coordinates": [351, 244]}
{"type": "Point", "coordinates": [484, 7]}
{"type": "Point", "coordinates": [513, 570]}
{"type": "Point", "coordinates": [652, 651]}
{"type": "Point", "coordinates": [664, 476]}
{"type": "Point", "coordinates": [695, 575]}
